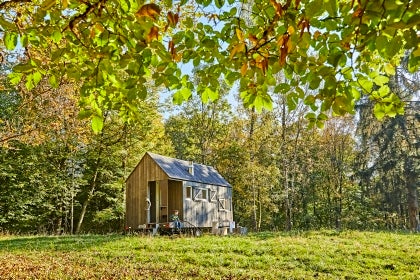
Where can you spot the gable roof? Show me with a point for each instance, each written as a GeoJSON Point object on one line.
{"type": "Point", "coordinates": [178, 169]}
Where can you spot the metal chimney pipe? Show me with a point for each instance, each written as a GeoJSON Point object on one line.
{"type": "Point", "coordinates": [191, 167]}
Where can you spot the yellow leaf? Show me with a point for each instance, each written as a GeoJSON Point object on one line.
{"type": "Point", "coordinates": [290, 30]}
{"type": "Point", "coordinates": [65, 3]}
{"type": "Point", "coordinates": [149, 10]}
{"type": "Point", "coordinates": [178, 57]}
{"type": "Point", "coordinates": [239, 34]}
{"type": "Point", "coordinates": [237, 49]}
{"type": "Point", "coordinates": [244, 68]}
{"type": "Point", "coordinates": [389, 69]}
{"type": "Point", "coordinates": [289, 45]}
{"type": "Point", "coordinates": [280, 40]}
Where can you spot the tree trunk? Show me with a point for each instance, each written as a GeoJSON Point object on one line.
{"type": "Point", "coordinates": [89, 197]}
{"type": "Point", "coordinates": [412, 199]}
{"type": "Point", "coordinates": [287, 211]}
{"type": "Point", "coordinates": [259, 210]}
{"type": "Point", "coordinates": [254, 200]}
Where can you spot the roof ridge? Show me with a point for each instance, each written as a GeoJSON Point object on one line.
{"type": "Point", "coordinates": [178, 159]}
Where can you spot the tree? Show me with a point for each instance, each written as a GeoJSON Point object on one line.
{"type": "Point", "coordinates": [112, 48]}
{"type": "Point", "coordinates": [198, 130]}
{"type": "Point", "coordinates": [388, 163]}
{"type": "Point", "coordinates": [54, 170]}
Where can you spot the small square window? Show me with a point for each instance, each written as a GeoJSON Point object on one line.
{"type": "Point", "coordinates": [224, 204]}
{"type": "Point", "coordinates": [213, 195]}
{"type": "Point", "coordinates": [188, 192]}
{"type": "Point", "coordinates": [204, 194]}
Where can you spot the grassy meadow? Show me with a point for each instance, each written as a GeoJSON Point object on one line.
{"type": "Point", "coordinates": [303, 255]}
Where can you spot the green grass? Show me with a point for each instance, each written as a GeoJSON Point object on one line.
{"type": "Point", "coordinates": [305, 255]}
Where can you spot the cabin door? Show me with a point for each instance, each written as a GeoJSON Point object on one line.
{"type": "Point", "coordinates": [152, 193]}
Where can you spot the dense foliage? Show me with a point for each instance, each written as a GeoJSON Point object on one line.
{"type": "Point", "coordinates": [112, 48]}
{"type": "Point", "coordinates": [288, 177]}
{"type": "Point", "coordinates": [71, 64]}
{"type": "Point", "coordinates": [56, 175]}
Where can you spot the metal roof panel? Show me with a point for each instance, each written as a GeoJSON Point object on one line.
{"type": "Point", "coordinates": [178, 169]}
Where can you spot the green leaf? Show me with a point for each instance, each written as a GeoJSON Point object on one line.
{"type": "Point", "coordinates": [331, 6]}
{"type": "Point", "coordinates": [47, 4]}
{"type": "Point", "coordinates": [258, 103]}
{"type": "Point", "coordinates": [309, 100]}
{"type": "Point", "coordinates": [37, 78]}
{"type": "Point", "coordinates": [320, 124]}
{"type": "Point", "coordinates": [97, 123]}
{"type": "Point", "coordinates": [384, 91]}
{"type": "Point", "coordinates": [262, 101]}
{"type": "Point", "coordinates": [322, 117]}
{"type": "Point", "coordinates": [209, 94]}
{"type": "Point", "coordinates": [125, 5]}
{"type": "Point", "coordinates": [56, 36]}
{"type": "Point", "coordinates": [219, 3]}
{"type": "Point", "coordinates": [282, 88]}
{"type": "Point", "coordinates": [366, 85]}
{"type": "Point", "coordinates": [15, 78]}
{"type": "Point", "coordinates": [291, 101]}
{"type": "Point", "coordinates": [379, 111]}
{"type": "Point", "coordinates": [84, 114]}
{"type": "Point", "coordinates": [314, 8]}
{"type": "Point", "coordinates": [381, 80]}
{"type": "Point", "coordinates": [10, 40]}
{"type": "Point", "coordinates": [53, 81]}
{"type": "Point", "coordinates": [206, 2]}
{"type": "Point", "coordinates": [356, 93]}
{"type": "Point", "coordinates": [310, 116]}
{"type": "Point", "coordinates": [315, 82]}
{"type": "Point", "coordinates": [341, 105]}
{"type": "Point", "coordinates": [181, 95]}
{"type": "Point", "coordinates": [381, 43]}
{"type": "Point", "coordinates": [394, 46]}
{"type": "Point", "coordinates": [29, 82]}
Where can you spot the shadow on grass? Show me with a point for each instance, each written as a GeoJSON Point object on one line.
{"type": "Point", "coordinates": [58, 243]}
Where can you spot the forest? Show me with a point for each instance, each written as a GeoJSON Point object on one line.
{"type": "Point", "coordinates": [310, 132]}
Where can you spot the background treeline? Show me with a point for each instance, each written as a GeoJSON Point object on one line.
{"type": "Point", "coordinates": [353, 172]}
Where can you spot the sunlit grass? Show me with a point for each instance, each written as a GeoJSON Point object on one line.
{"type": "Point", "coordinates": [297, 255]}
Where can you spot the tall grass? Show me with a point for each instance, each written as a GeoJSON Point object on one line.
{"type": "Point", "coordinates": [304, 255]}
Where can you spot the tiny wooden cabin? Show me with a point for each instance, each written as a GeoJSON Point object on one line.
{"type": "Point", "coordinates": [159, 185]}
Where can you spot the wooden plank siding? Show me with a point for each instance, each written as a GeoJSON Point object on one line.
{"type": "Point", "coordinates": [202, 212]}
{"type": "Point", "coordinates": [137, 187]}
{"type": "Point", "coordinates": [176, 197]}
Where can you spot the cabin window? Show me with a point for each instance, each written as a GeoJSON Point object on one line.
{"type": "Point", "coordinates": [224, 204]}
{"type": "Point", "coordinates": [201, 194]}
{"type": "Point", "coordinates": [213, 196]}
{"type": "Point", "coordinates": [204, 194]}
{"type": "Point", "coordinates": [188, 192]}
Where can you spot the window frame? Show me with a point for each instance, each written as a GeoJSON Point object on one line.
{"type": "Point", "coordinates": [213, 195]}
{"type": "Point", "coordinates": [189, 192]}
{"type": "Point", "coordinates": [224, 205]}
{"type": "Point", "coordinates": [201, 194]}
